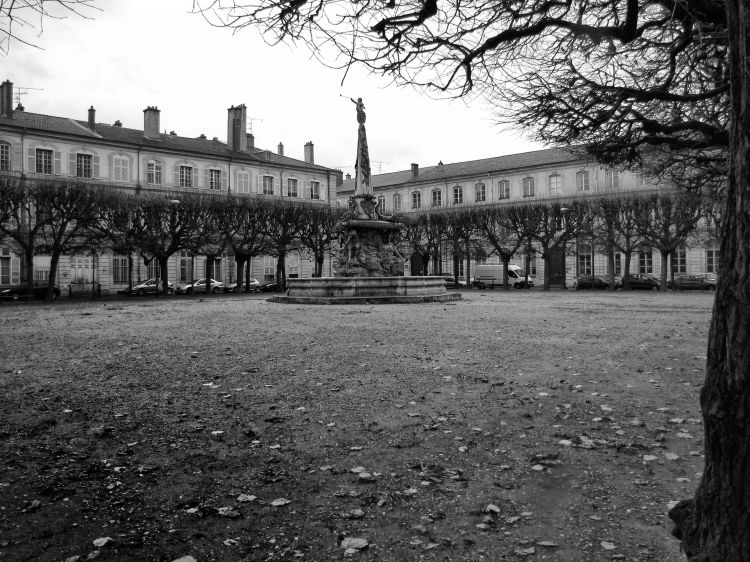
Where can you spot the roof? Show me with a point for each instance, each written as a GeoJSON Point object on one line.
{"type": "Point", "coordinates": [473, 168]}
{"type": "Point", "coordinates": [166, 142]}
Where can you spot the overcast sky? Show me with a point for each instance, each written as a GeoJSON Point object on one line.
{"type": "Point", "coordinates": [138, 53]}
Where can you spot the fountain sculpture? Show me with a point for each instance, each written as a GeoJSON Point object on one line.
{"type": "Point", "coordinates": [367, 267]}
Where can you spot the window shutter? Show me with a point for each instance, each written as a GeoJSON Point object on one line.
{"type": "Point", "coordinates": [195, 176]}
{"type": "Point", "coordinates": [308, 190]}
{"type": "Point", "coordinates": [223, 180]}
{"type": "Point", "coordinates": [206, 178]}
{"type": "Point", "coordinates": [257, 183]}
{"type": "Point", "coordinates": [58, 163]}
{"type": "Point", "coordinates": [176, 175]}
{"type": "Point", "coordinates": [95, 166]}
{"type": "Point", "coordinates": [72, 164]}
{"type": "Point", "coordinates": [31, 160]}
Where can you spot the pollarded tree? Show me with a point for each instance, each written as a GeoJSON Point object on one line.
{"type": "Point", "coordinates": [243, 221]}
{"type": "Point", "coordinates": [617, 76]}
{"type": "Point", "coordinates": [317, 231]}
{"type": "Point", "coordinates": [19, 221]}
{"type": "Point", "coordinates": [666, 222]}
{"type": "Point", "coordinates": [628, 238]}
{"type": "Point", "coordinates": [494, 225]}
{"type": "Point", "coordinates": [66, 213]}
{"type": "Point", "coordinates": [422, 236]}
{"type": "Point", "coordinates": [281, 230]}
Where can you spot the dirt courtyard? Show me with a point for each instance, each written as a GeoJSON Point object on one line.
{"type": "Point", "coordinates": [510, 425]}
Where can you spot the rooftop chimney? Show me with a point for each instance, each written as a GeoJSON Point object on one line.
{"type": "Point", "coordinates": [6, 99]}
{"type": "Point", "coordinates": [414, 170]}
{"type": "Point", "coordinates": [348, 176]}
{"type": "Point", "coordinates": [309, 152]}
{"type": "Point", "coordinates": [281, 149]}
{"type": "Point", "coordinates": [92, 118]}
{"type": "Point", "coordinates": [237, 128]}
{"type": "Point", "coordinates": [250, 140]}
{"type": "Point", "coordinates": [151, 122]}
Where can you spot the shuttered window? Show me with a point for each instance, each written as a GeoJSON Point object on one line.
{"type": "Point", "coordinates": [153, 172]}
{"type": "Point", "coordinates": [243, 182]}
{"type": "Point", "coordinates": [504, 189]}
{"type": "Point", "coordinates": [214, 179]}
{"type": "Point", "coordinates": [4, 156]}
{"type": "Point", "coordinates": [120, 168]}
{"type": "Point", "coordinates": [291, 187]}
{"type": "Point", "coordinates": [528, 187]}
{"type": "Point", "coordinates": [314, 190]}
{"type": "Point", "coordinates": [43, 161]}
{"type": "Point", "coordinates": [186, 176]}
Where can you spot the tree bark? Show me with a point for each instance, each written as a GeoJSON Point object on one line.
{"type": "Point", "coordinates": [715, 525]}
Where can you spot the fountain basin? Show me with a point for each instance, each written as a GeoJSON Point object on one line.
{"type": "Point", "coordinates": [365, 290]}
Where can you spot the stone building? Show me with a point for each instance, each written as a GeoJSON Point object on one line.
{"type": "Point", "coordinates": [44, 147]}
{"type": "Point", "coordinates": [541, 175]}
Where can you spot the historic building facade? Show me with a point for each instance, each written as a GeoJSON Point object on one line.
{"type": "Point", "coordinates": [43, 148]}
{"type": "Point", "coordinates": [537, 176]}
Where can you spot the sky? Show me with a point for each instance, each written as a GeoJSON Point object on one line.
{"type": "Point", "coordinates": [128, 55]}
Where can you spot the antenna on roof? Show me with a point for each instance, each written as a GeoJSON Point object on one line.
{"type": "Point", "coordinates": [380, 165]}
{"type": "Point", "coordinates": [22, 91]}
{"type": "Point", "coordinates": [251, 120]}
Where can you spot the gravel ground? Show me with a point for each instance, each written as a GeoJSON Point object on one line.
{"type": "Point", "coordinates": [518, 425]}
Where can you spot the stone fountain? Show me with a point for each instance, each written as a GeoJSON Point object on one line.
{"type": "Point", "coordinates": [367, 267]}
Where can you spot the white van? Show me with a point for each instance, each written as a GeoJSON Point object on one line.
{"type": "Point", "coordinates": [491, 276]}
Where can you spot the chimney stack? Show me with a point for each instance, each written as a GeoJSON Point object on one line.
{"type": "Point", "coordinates": [250, 140]}
{"type": "Point", "coordinates": [281, 149]}
{"type": "Point", "coordinates": [414, 170]}
{"type": "Point", "coordinates": [92, 118]}
{"type": "Point", "coordinates": [151, 122]}
{"type": "Point", "coordinates": [6, 99]}
{"type": "Point", "coordinates": [237, 128]}
{"type": "Point", "coordinates": [309, 152]}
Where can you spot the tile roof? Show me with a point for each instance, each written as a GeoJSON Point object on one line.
{"type": "Point", "coordinates": [166, 142]}
{"type": "Point", "coordinates": [472, 168]}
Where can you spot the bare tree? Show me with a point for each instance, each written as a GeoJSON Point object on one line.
{"type": "Point", "coordinates": [626, 79]}
{"type": "Point", "coordinates": [317, 232]}
{"type": "Point", "coordinates": [19, 19]}
{"type": "Point", "coordinates": [495, 226]}
{"type": "Point", "coordinates": [243, 221]}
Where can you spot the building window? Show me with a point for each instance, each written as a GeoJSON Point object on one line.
{"type": "Point", "coordinates": [582, 181]}
{"type": "Point", "coordinates": [119, 269]}
{"type": "Point", "coordinates": [43, 161]}
{"type": "Point", "coordinates": [613, 179]}
{"type": "Point", "coordinates": [291, 187]}
{"type": "Point", "coordinates": [712, 259]}
{"type": "Point", "coordinates": [214, 180]}
{"type": "Point", "coordinates": [458, 195]}
{"type": "Point", "coordinates": [504, 188]}
{"type": "Point", "coordinates": [153, 271]}
{"type": "Point", "coordinates": [83, 165]}
{"type": "Point", "coordinates": [679, 261]}
{"type": "Point", "coordinates": [480, 193]}
{"type": "Point", "coordinates": [416, 200]}
{"type": "Point", "coordinates": [267, 185]}
{"type": "Point", "coordinates": [381, 204]}
{"type": "Point", "coordinates": [4, 156]}
{"type": "Point", "coordinates": [314, 190]}
{"type": "Point", "coordinates": [4, 266]}
{"type": "Point", "coordinates": [120, 168]}
{"type": "Point", "coordinates": [618, 263]}
{"type": "Point", "coordinates": [243, 182]}
{"type": "Point", "coordinates": [397, 203]}
{"type": "Point", "coordinates": [555, 184]}
{"type": "Point", "coordinates": [186, 176]}
{"type": "Point", "coordinates": [153, 172]}
{"type": "Point", "coordinates": [532, 267]}
{"type": "Point", "coordinates": [528, 187]}
{"type": "Point", "coordinates": [584, 260]}
{"type": "Point", "coordinates": [186, 267]}
{"type": "Point", "coordinates": [437, 197]}
{"type": "Point", "coordinates": [646, 262]}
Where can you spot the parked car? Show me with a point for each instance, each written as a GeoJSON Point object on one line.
{"type": "Point", "coordinates": [22, 292]}
{"type": "Point", "coordinates": [149, 287]}
{"type": "Point", "coordinates": [587, 282]}
{"type": "Point", "coordinates": [699, 282]}
{"type": "Point", "coordinates": [252, 286]}
{"type": "Point", "coordinates": [271, 287]}
{"type": "Point", "coordinates": [200, 287]}
{"type": "Point", "coordinates": [644, 281]}
{"type": "Point", "coordinates": [450, 282]}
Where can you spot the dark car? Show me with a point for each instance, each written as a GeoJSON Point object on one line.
{"type": "Point", "coordinates": [643, 282]}
{"type": "Point", "coordinates": [200, 287]}
{"type": "Point", "coordinates": [587, 282]}
{"type": "Point", "coordinates": [450, 282]}
{"type": "Point", "coordinates": [22, 291]}
{"type": "Point", "coordinates": [698, 282]}
{"type": "Point", "coordinates": [149, 287]}
{"type": "Point", "coordinates": [271, 287]}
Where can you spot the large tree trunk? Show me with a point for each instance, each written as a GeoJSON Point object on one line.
{"type": "Point", "coordinates": [715, 524]}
